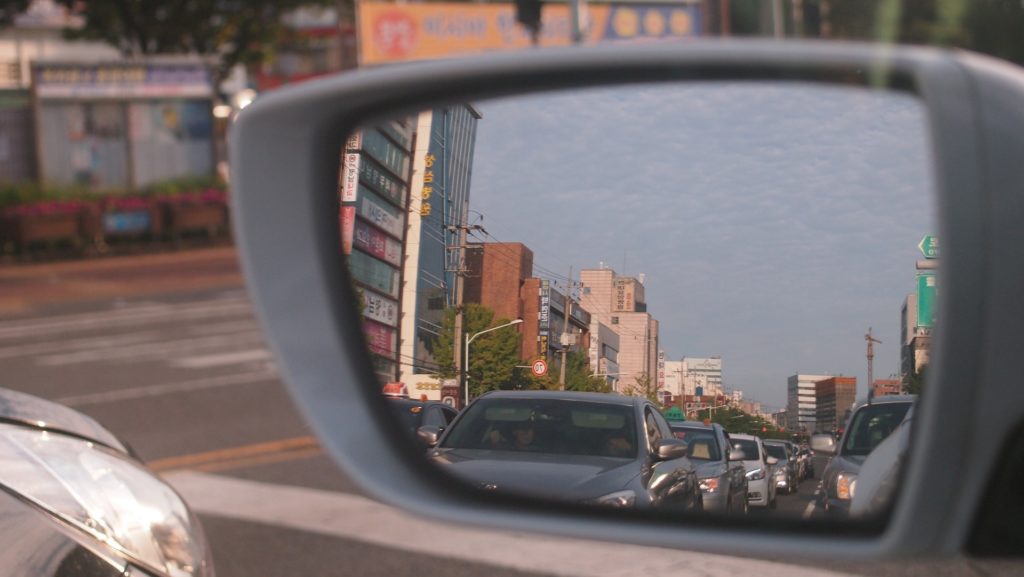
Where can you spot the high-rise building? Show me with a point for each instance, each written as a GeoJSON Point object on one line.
{"type": "Point", "coordinates": [834, 398]}
{"type": "Point", "coordinates": [914, 340]}
{"type": "Point", "coordinates": [375, 177]}
{"type": "Point", "coordinates": [437, 211]}
{"type": "Point", "coordinates": [674, 378]}
{"type": "Point", "coordinates": [404, 195]}
{"type": "Point", "coordinates": [802, 404]}
{"type": "Point", "coordinates": [703, 375]}
{"type": "Point", "coordinates": [618, 302]}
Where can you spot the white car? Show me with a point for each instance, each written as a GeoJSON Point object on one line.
{"type": "Point", "coordinates": [760, 467]}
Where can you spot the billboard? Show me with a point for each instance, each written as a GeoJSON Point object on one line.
{"type": "Point", "coordinates": [391, 32]}
{"type": "Point", "coordinates": [122, 80]}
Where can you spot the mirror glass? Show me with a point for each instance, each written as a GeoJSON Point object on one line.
{"type": "Point", "coordinates": [652, 296]}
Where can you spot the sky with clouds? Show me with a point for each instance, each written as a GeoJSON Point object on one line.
{"type": "Point", "coordinates": [774, 223]}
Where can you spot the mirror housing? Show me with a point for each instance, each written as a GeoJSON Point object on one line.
{"type": "Point", "coordinates": [671, 449]}
{"type": "Point", "coordinates": [428, 435]}
{"type": "Point", "coordinates": [824, 444]}
{"type": "Point", "coordinates": [290, 139]}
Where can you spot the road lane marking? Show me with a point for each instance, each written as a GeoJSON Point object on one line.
{"type": "Point", "coordinates": [224, 459]}
{"type": "Point", "coordinates": [96, 320]}
{"type": "Point", "coordinates": [151, 350]}
{"type": "Point", "coordinates": [356, 518]}
{"type": "Point", "coordinates": [77, 344]}
{"type": "Point", "coordinates": [167, 389]}
{"type": "Point", "coordinates": [207, 361]}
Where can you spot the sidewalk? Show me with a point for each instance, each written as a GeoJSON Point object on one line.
{"type": "Point", "coordinates": [24, 288]}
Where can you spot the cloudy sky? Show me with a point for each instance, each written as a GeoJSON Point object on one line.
{"type": "Point", "coordinates": [774, 223]}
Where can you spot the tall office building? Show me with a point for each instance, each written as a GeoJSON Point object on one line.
{"type": "Point", "coordinates": [834, 398]}
{"type": "Point", "coordinates": [802, 402]}
{"type": "Point", "coordinates": [375, 177]}
{"type": "Point", "coordinates": [438, 207]}
{"type": "Point", "coordinates": [703, 376]}
{"type": "Point", "coordinates": [618, 303]}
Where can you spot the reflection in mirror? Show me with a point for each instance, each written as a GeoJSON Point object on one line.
{"type": "Point", "coordinates": [699, 296]}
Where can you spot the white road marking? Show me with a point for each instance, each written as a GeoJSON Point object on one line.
{"type": "Point", "coordinates": [151, 350]}
{"type": "Point", "coordinates": [77, 344]}
{"type": "Point", "coordinates": [128, 316]}
{"type": "Point", "coordinates": [167, 389]}
{"type": "Point", "coordinates": [207, 361]}
{"type": "Point", "coordinates": [360, 519]}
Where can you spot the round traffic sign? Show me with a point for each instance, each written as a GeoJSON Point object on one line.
{"type": "Point", "coordinates": [540, 367]}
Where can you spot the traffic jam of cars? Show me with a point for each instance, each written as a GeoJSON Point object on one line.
{"type": "Point", "coordinates": [621, 451]}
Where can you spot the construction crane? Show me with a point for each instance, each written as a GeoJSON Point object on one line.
{"type": "Point", "coordinates": [871, 361]}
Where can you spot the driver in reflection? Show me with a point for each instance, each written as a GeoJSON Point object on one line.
{"type": "Point", "coordinates": [521, 438]}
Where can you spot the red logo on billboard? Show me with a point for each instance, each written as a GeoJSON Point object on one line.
{"type": "Point", "coordinates": [395, 34]}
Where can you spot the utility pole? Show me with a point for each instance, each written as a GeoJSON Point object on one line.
{"type": "Point", "coordinates": [460, 281]}
{"type": "Point", "coordinates": [565, 332]}
{"type": "Point", "coordinates": [871, 359]}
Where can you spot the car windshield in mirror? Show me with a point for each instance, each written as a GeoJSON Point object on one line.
{"type": "Point", "coordinates": [871, 425]}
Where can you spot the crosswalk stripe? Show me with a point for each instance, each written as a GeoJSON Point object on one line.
{"type": "Point", "coordinates": [147, 314]}
{"type": "Point", "coordinates": [167, 389]}
{"type": "Point", "coordinates": [149, 350]}
{"type": "Point", "coordinates": [208, 361]}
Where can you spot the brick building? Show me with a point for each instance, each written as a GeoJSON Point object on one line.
{"type": "Point", "coordinates": [834, 398]}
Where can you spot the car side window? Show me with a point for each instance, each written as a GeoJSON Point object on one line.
{"type": "Point", "coordinates": [435, 418]}
{"type": "Point", "coordinates": [653, 433]}
{"type": "Point", "coordinates": [449, 415]}
{"type": "Point", "coordinates": [663, 426]}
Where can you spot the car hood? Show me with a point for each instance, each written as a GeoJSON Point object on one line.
{"type": "Point", "coordinates": [24, 409]}
{"type": "Point", "coordinates": [568, 477]}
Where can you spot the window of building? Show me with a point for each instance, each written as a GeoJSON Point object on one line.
{"type": "Point", "coordinates": [615, 320]}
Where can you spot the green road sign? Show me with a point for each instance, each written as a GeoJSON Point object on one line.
{"type": "Point", "coordinates": [925, 300]}
{"type": "Point", "coordinates": [929, 246]}
{"type": "Point", "coordinates": [675, 414]}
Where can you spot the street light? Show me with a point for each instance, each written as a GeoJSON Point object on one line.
{"type": "Point", "coordinates": [469, 339]}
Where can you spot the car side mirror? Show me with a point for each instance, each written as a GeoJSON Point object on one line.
{"type": "Point", "coordinates": [671, 449]}
{"type": "Point", "coordinates": [429, 435]}
{"type": "Point", "coordinates": [825, 444]}
{"type": "Point", "coordinates": [772, 461]}
{"type": "Point", "coordinates": [736, 455]}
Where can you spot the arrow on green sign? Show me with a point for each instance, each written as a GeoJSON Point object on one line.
{"type": "Point", "coordinates": [929, 246]}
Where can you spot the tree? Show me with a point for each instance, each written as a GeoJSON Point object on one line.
{"type": "Point", "coordinates": [913, 383]}
{"type": "Point", "coordinates": [493, 356]}
{"type": "Point", "coordinates": [578, 377]}
{"type": "Point", "coordinates": [228, 31]}
{"type": "Point", "coordinates": [643, 386]}
{"type": "Point", "coordinates": [11, 8]}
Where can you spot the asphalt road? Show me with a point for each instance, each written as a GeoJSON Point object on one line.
{"type": "Point", "coordinates": [185, 378]}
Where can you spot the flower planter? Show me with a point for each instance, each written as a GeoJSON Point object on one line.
{"type": "Point", "coordinates": [131, 218]}
{"type": "Point", "coordinates": [24, 228]}
{"type": "Point", "coordinates": [196, 212]}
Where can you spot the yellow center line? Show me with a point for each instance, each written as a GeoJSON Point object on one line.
{"type": "Point", "coordinates": [274, 450]}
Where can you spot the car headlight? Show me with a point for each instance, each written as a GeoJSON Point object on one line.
{"type": "Point", "coordinates": [709, 485]}
{"type": "Point", "coordinates": [617, 499]}
{"type": "Point", "coordinates": [846, 486]}
{"type": "Point", "coordinates": [755, 475]}
{"type": "Point", "coordinates": [112, 499]}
